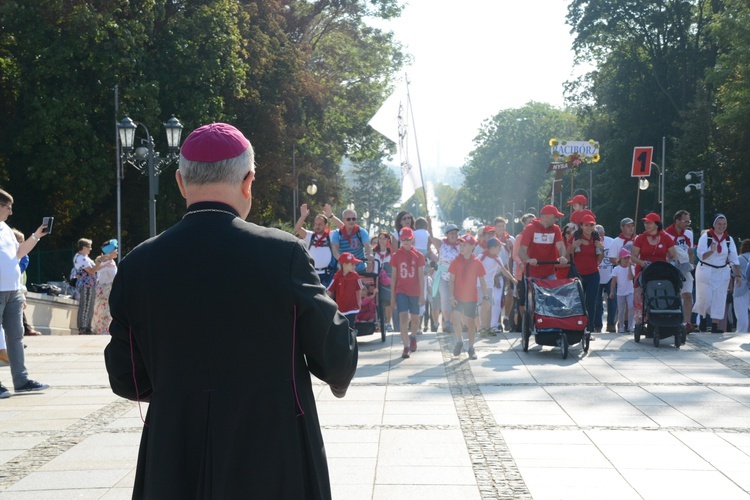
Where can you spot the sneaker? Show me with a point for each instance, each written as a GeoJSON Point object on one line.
{"type": "Point", "coordinates": [484, 331]}
{"type": "Point", "coordinates": [498, 329]}
{"type": "Point", "coordinates": [434, 327]}
{"type": "Point", "coordinates": [472, 353]}
{"type": "Point", "coordinates": [405, 354]}
{"type": "Point", "coordinates": [4, 393]}
{"type": "Point", "coordinates": [457, 348]}
{"type": "Point", "coordinates": [412, 343]}
{"type": "Point", "coordinates": [610, 328]}
{"type": "Point", "coordinates": [506, 323]}
{"type": "Point", "coordinates": [495, 331]}
{"type": "Point", "coordinates": [448, 328]}
{"type": "Point", "coordinates": [32, 385]}
{"type": "Point", "coordinates": [388, 327]}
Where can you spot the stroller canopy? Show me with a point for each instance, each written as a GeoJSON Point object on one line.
{"type": "Point", "coordinates": [557, 298]}
{"type": "Point", "coordinates": [662, 271]}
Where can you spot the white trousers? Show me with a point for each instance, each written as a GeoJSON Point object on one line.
{"type": "Point", "coordinates": [741, 312]}
{"type": "Point", "coordinates": [711, 286]}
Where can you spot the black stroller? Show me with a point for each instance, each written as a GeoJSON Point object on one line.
{"type": "Point", "coordinates": [661, 283]}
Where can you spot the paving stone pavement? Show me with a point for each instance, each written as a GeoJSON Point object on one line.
{"type": "Point", "coordinates": [625, 420]}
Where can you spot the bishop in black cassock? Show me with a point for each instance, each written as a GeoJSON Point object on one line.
{"type": "Point", "coordinates": [218, 324]}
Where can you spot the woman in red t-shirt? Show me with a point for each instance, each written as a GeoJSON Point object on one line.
{"type": "Point", "coordinates": [586, 253]}
{"type": "Point", "coordinates": [651, 245]}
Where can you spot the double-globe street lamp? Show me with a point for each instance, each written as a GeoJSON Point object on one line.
{"type": "Point", "coordinates": [147, 161]}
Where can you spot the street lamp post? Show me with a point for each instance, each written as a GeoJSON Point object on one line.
{"type": "Point", "coordinates": [146, 160]}
{"type": "Point", "coordinates": [700, 185]}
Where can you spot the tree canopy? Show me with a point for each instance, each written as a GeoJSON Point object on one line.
{"type": "Point", "coordinates": [296, 76]}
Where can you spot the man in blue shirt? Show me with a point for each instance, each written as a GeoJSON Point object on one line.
{"type": "Point", "coordinates": [354, 239]}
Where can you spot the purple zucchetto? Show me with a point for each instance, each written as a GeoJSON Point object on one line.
{"type": "Point", "coordinates": [214, 142]}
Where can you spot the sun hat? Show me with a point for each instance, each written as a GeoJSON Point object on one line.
{"type": "Point", "coordinates": [588, 219]}
{"type": "Point", "coordinates": [406, 233]}
{"type": "Point", "coordinates": [110, 247]}
{"type": "Point", "coordinates": [579, 198]}
{"type": "Point", "coordinates": [551, 210]}
{"type": "Point", "coordinates": [493, 242]}
{"type": "Point", "coordinates": [467, 238]}
{"type": "Point", "coordinates": [652, 217]}
{"type": "Point", "coordinates": [348, 258]}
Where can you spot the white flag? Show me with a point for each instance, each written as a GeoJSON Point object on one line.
{"type": "Point", "coordinates": [392, 121]}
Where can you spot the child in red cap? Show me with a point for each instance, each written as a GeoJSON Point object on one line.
{"type": "Point", "coordinates": [346, 287]}
{"type": "Point", "coordinates": [465, 270]}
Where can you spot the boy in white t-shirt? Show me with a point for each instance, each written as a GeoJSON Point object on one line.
{"type": "Point", "coordinates": [490, 312]}
{"type": "Point", "coordinates": [622, 281]}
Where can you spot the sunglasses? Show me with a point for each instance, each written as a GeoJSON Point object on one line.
{"type": "Point", "coordinates": [349, 219]}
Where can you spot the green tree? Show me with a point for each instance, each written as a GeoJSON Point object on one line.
{"type": "Point", "coordinates": [511, 157]}
{"type": "Point", "coordinates": [375, 190]}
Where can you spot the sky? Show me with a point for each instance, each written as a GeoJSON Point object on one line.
{"type": "Point", "coordinates": [474, 58]}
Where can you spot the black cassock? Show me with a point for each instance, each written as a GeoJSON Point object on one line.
{"type": "Point", "coordinates": [225, 321]}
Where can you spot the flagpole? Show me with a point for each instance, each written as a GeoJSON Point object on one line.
{"type": "Point", "coordinates": [416, 142]}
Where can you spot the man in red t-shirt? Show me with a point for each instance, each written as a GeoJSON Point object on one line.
{"type": "Point", "coordinates": [542, 241]}
{"type": "Point", "coordinates": [683, 242]}
{"type": "Point", "coordinates": [407, 284]}
{"type": "Point", "coordinates": [465, 269]}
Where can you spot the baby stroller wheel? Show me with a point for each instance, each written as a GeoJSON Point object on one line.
{"type": "Point", "coordinates": [564, 346]}
{"type": "Point", "coordinates": [526, 325]}
{"type": "Point", "coordinates": [656, 337]}
{"type": "Point", "coordinates": [585, 342]}
{"type": "Point", "coordinates": [637, 333]}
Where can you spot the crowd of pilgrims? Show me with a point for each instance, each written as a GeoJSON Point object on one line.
{"type": "Point", "coordinates": [475, 281]}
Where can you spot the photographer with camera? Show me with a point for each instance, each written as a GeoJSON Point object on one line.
{"type": "Point", "coordinates": [12, 297]}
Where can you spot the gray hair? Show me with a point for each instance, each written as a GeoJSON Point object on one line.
{"type": "Point", "coordinates": [347, 211]}
{"type": "Point", "coordinates": [599, 229]}
{"type": "Point", "coordinates": [229, 171]}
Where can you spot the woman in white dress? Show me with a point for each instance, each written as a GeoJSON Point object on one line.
{"type": "Point", "coordinates": [716, 251]}
{"type": "Point", "coordinates": [102, 317]}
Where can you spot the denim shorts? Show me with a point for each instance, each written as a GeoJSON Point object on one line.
{"type": "Point", "coordinates": [406, 303]}
{"type": "Point", "coordinates": [468, 309]}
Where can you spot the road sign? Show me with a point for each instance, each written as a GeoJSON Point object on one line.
{"type": "Point", "coordinates": [642, 161]}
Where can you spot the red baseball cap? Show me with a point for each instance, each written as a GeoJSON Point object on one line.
{"type": "Point", "coordinates": [551, 210]}
{"type": "Point", "coordinates": [467, 238]}
{"type": "Point", "coordinates": [579, 198]}
{"type": "Point", "coordinates": [214, 142]}
{"type": "Point", "coordinates": [348, 258]}
{"type": "Point", "coordinates": [588, 219]}
{"type": "Point", "coordinates": [488, 229]}
{"type": "Point", "coordinates": [406, 234]}
{"type": "Point", "coordinates": [652, 217]}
